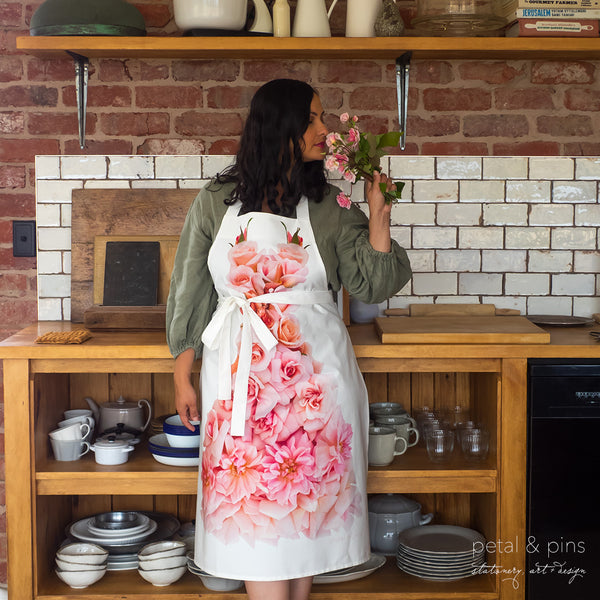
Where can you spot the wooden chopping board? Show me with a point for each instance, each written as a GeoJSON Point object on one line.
{"type": "Point", "coordinates": [460, 330]}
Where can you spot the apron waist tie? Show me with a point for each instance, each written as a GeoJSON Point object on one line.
{"type": "Point", "coordinates": [218, 335]}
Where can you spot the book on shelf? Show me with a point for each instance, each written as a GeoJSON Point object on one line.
{"type": "Point", "coordinates": [547, 9]}
{"type": "Point", "coordinates": [553, 28]}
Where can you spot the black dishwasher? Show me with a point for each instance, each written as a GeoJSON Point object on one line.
{"type": "Point", "coordinates": [563, 469]}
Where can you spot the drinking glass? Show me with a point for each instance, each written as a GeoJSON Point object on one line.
{"type": "Point", "coordinates": [475, 444]}
{"type": "Point", "coordinates": [440, 444]}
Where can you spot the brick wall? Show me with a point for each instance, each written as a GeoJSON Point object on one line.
{"type": "Point", "coordinates": [195, 107]}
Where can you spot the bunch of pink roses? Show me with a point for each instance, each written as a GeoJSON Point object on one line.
{"type": "Point", "coordinates": [289, 475]}
{"type": "Point", "coordinates": [357, 155]}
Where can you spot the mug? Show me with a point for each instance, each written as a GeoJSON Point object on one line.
{"type": "Point", "coordinates": [361, 16]}
{"type": "Point", "coordinates": [78, 412]}
{"type": "Point", "coordinates": [76, 431]}
{"type": "Point", "coordinates": [390, 408]}
{"type": "Point", "coordinates": [65, 450]}
{"type": "Point", "coordinates": [82, 419]}
{"type": "Point", "coordinates": [403, 426]}
{"type": "Point", "coordinates": [382, 445]}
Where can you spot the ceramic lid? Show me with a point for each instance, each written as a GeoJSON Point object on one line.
{"type": "Point", "coordinates": [107, 443]}
{"type": "Point", "coordinates": [121, 404]}
{"type": "Point", "coordinates": [392, 504]}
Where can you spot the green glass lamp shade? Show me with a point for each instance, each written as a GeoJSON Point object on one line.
{"type": "Point", "coordinates": [87, 17]}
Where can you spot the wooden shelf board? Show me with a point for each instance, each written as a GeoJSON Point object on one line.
{"type": "Point", "coordinates": [323, 48]}
{"type": "Point", "coordinates": [412, 472]}
{"type": "Point", "coordinates": [387, 583]}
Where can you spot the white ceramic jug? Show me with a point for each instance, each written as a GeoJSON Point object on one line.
{"type": "Point", "coordinates": [221, 14]}
{"type": "Point", "coordinates": [360, 17]}
{"type": "Point", "coordinates": [312, 19]}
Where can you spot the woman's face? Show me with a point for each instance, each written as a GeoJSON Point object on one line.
{"type": "Point", "coordinates": [313, 140]}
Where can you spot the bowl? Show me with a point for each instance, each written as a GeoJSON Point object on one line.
{"type": "Point", "coordinates": [84, 553]}
{"type": "Point", "coordinates": [162, 577]}
{"type": "Point", "coordinates": [219, 584]}
{"type": "Point", "coordinates": [80, 579]}
{"type": "Point", "coordinates": [161, 562]}
{"type": "Point", "coordinates": [178, 435]}
{"type": "Point", "coordinates": [65, 565]}
{"type": "Point", "coordinates": [163, 548]}
{"type": "Point", "coordinates": [120, 520]}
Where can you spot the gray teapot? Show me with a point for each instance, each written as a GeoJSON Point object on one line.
{"type": "Point", "coordinates": [130, 414]}
{"type": "Point", "coordinates": [389, 514]}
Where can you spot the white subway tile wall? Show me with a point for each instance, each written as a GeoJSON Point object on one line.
{"type": "Point", "coordinates": [517, 232]}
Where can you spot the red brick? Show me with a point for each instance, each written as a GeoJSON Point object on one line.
{"type": "Point", "coordinates": [59, 123]}
{"type": "Point", "coordinates": [99, 147]}
{"type": "Point", "coordinates": [526, 149]}
{"type": "Point", "coordinates": [428, 71]}
{"type": "Point", "coordinates": [11, 68]}
{"type": "Point", "coordinates": [581, 149]}
{"type": "Point", "coordinates": [20, 313]}
{"type": "Point", "coordinates": [490, 72]}
{"type": "Point", "coordinates": [582, 99]}
{"type": "Point", "coordinates": [265, 70]}
{"type": "Point", "coordinates": [331, 98]}
{"type": "Point", "coordinates": [580, 125]}
{"type": "Point", "coordinates": [12, 177]}
{"type": "Point", "coordinates": [462, 99]}
{"type": "Point", "coordinates": [100, 95]}
{"type": "Point", "coordinates": [373, 98]}
{"type": "Point", "coordinates": [495, 126]}
{"type": "Point", "coordinates": [12, 122]}
{"type": "Point", "coordinates": [153, 71]}
{"type": "Point", "coordinates": [225, 96]}
{"type": "Point", "coordinates": [8, 261]}
{"type": "Point", "coordinates": [229, 147]}
{"type": "Point", "coordinates": [55, 69]}
{"type": "Point", "coordinates": [128, 123]}
{"type": "Point", "coordinates": [551, 73]}
{"type": "Point", "coordinates": [411, 148]}
{"type": "Point", "coordinates": [168, 96]}
{"type": "Point", "coordinates": [196, 123]}
{"type": "Point", "coordinates": [25, 150]}
{"type": "Point", "coordinates": [206, 70]}
{"type": "Point", "coordinates": [434, 126]}
{"type": "Point", "coordinates": [2, 503]}
{"type": "Point", "coordinates": [454, 148]}
{"type": "Point", "coordinates": [17, 205]}
{"type": "Point", "coordinates": [28, 95]}
{"type": "Point", "coordinates": [14, 285]}
{"type": "Point", "coordinates": [349, 71]}
{"type": "Point", "coordinates": [526, 98]}
{"type": "Point", "coordinates": [11, 14]}
{"type": "Point", "coordinates": [155, 14]}
{"type": "Point", "coordinates": [132, 70]}
{"type": "Point", "coordinates": [5, 235]}
{"type": "Point", "coordinates": [180, 147]}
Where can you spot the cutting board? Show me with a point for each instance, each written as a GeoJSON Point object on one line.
{"type": "Point", "coordinates": [460, 330]}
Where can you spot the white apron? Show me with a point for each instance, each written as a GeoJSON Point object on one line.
{"type": "Point", "coordinates": [282, 486]}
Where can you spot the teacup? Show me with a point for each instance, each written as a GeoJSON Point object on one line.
{"type": "Point", "coordinates": [66, 450]}
{"type": "Point", "coordinates": [403, 426]}
{"type": "Point", "coordinates": [76, 431]}
{"type": "Point", "coordinates": [382, 445]}
{"type": "Point", "coordinates": [78, 412]}
{"type": "Point", "coordinates": [81, 419]}
{"type": "Point", "coordinates": [390, 408]}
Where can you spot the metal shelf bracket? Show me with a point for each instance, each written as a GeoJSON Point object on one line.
{"type": "Point", "coordinates": [402, 69]}
{"type": "Point", "coordinates": [82, 65]}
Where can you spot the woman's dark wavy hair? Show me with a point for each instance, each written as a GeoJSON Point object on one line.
{"type": "Point", "coordinates": [279, 113]}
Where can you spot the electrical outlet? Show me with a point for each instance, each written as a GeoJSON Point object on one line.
{"type": "Point", "coordinates": [23, 238]}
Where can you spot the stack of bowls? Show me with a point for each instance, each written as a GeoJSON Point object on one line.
{"type": "Point", "coordinates": [81, 564]}
{"type": "Point", "coordinates": [177, 445]}
{"type": "Point", "coordinates": [162, 563]}
{"type": "Point", "coordinates": [212, 582]}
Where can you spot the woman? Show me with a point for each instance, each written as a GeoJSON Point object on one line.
{"type": "Point", "coordinates": [282, 488]}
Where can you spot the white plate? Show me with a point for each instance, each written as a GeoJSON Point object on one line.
{"type": "Point", "coordinates": [376, 561]}
{"type": "Point", "coordinates": [125, 531]}
{"type": "Point", "coordinates": [122, 566]}
{"type": "Point", "coordinates": [441, 539]}
{"type": "Point", "coordinates": [430, 577]}
{"type": "Point", "coordinates": [436, 571]}
{"type": "Point", "coordinates": [80, 530]}
{"type": "Point", "coordinates": [440, 561]}
{"type": "Point", "coordinates": [174, 461]}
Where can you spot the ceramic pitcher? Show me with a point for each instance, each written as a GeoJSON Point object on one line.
{"type": "Point", "coordinates": [312, 19]}
{"type": "Point", "coordinates": [360, 17]}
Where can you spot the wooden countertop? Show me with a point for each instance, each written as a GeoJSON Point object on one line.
{"type": "Point", "coordinates": [565, 342]}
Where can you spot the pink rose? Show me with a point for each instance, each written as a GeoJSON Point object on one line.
{"type": "Point", "coordinates": [244, 253]}
{"type": "Point", "coordinates": [293, 252]}
{"type": "Point", "coordinates": [344, 117]}
{"type": "Point", "coordinates": [349, 176]}
{"type": "Point", "coordinates": [313, 402]}
{"type": "Point", "coordinates": [344, 200]}
{"type": "Point", "coordinates": [287, 368]}
{"type": "Point", "coordinates": [288, 332]}
{"type": "Point", "coordinates": [241, 278]}
{"type": "Point", "coordinates": [334, 446]}
{"type": "Point", "coordinates": [269, 313]}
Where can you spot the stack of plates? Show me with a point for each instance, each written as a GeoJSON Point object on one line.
{"type": "Point", "coordinates": [164, 453]}
{"type": "Point", "coordinates": [440, 552]}
{"type": "Point", "coordinates": [376, 561]}
{"type": "Point", "coordinates": [122, 562]}
{"type": "Point", "coordinates": [123, 536]}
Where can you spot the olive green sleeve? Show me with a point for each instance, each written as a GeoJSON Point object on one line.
{"type": "Point", "coordinates": [350, 260]}
{"type": "Point", "coordinates": [192, 296]}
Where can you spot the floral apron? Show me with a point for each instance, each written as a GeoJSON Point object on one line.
{"type": "Point", "coordinates": [282, 486]}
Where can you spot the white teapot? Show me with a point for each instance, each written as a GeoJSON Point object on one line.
{"type": "Point", "coordinates": [312, 19]}
{"type": "Point", "coordinates": [130, 414]}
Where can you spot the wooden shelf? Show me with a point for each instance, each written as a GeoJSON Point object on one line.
{"type": "Point", "coordinates": [411, 472]}
{"type": "Point", "coordinates": [312, 48]}
{"type": "Point", "coordinates": [388, 582]}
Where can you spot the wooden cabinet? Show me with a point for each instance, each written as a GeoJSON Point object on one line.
{"type": "Point", "coordinates": [43, 496]}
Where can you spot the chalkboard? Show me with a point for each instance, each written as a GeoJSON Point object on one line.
{"type": "Point", "coordinates": [131, 273]}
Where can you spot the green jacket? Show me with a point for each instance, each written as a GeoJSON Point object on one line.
{"type": "Point", "coordinates": [342, 238]}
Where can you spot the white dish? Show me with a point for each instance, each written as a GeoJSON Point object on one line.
{"type": "Point", "coordinates": [163, 548]}
{"type": "Point", "coordinates": [162, 577]}
{"type": "Point", "coordinates": [142, 523]}
{"type": "Point", "coordinates": [161, 562]}
{"type": "Point", "coordinates": [80, 579]}
{"type": "Point", "coordinates": [376, 561]}
{"type": "Point", "coordinates": [174, 461]}
{"type": "Point", "coordinates": [125, 566]}
{"type": "Point", "coordinates": [65, 565]}
{"type": "Point", "coordinates": [84, 553]}
{"type": "Point", "coordinates": [441, 539]}
{"type": "Point", "coordinates": [80, 529]}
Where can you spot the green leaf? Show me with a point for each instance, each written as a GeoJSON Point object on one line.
{"type": "Point", "coordinates": [386, 140]}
